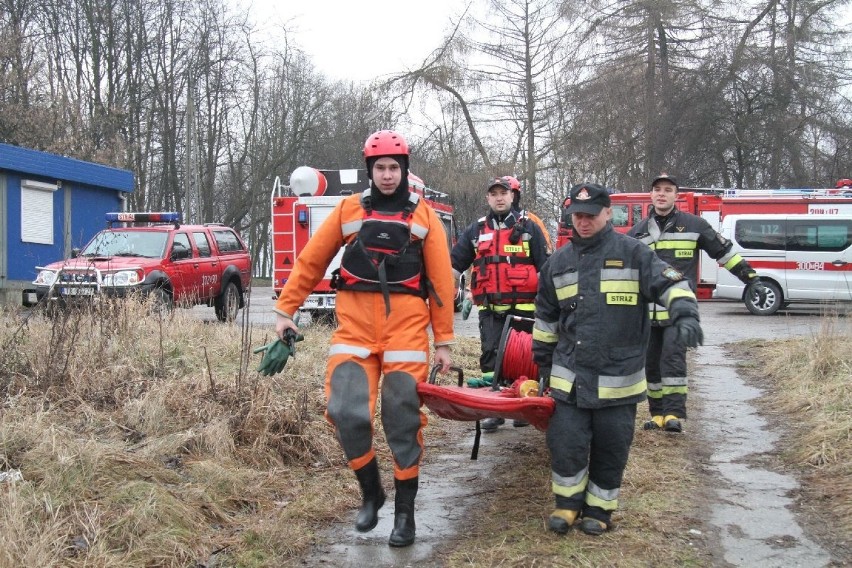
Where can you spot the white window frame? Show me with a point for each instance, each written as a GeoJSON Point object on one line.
{"type": "Point", "coordinates": [37, 211]}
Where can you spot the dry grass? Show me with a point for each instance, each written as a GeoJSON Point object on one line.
{"type": "Point", "coordinates": [152, 442]}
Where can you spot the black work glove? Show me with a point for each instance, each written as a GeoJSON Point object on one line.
{"type": "Point", "coordinates": [757, 287]}
{"type": "Point", "coordinates": [684, 314]}
{"type": "Point", "coordinates": [689, 332]}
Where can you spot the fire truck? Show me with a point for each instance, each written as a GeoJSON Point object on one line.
{"type": "Point", "coordinates": [300, 207]}
{"type": "Point", "coordinates": [713, 205]}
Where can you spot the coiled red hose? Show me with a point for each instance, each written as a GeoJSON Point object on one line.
{"type": "Point", "coordinates": [518, 357]}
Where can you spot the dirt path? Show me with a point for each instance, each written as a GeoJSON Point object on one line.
{"type": "Point", "coordinates": [447, 492]}
{"type": "Point", "coordinates": [752, 509]}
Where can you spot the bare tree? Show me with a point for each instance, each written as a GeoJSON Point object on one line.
{"type": "Point", "coordinates": [500, 70]}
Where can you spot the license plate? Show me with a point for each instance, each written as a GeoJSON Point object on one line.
{"type": "Point", "coordinates": [78, 291]}
{"type": "Point", "coordinates": [310, 303]}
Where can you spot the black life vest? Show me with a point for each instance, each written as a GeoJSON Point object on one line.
{"type": "Point", "coordinates": [386, 254]}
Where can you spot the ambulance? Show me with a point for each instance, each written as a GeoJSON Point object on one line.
{"type": "Point", "coordinates": [800, 258]}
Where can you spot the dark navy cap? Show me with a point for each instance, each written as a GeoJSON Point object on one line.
{"type": "Point", "coordinates": [665, 177]}
{"type": "Point", "coordinates": [588, 198]}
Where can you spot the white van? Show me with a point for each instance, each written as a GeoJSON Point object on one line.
{"type": "Point", "coordinates": [800, 258]}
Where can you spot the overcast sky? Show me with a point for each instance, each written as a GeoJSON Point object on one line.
{"type": "Point", "coordinates": [359, 40]}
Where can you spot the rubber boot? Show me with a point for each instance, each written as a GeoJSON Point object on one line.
{"type": "Point", "coordinates": [594, 527]}
{"type": "Point", "coordinates": [672, 424]}
{"type": "Point", "coordinates": [373, 496]}
{"type": "Point", "coordinates": [655, 423]}
{"type": "Point", "coordinates": [403, 521]}
{"type": "Point", "coordinates": [561, 520]}
{"type": "Point", "coordinates": [595, 521]}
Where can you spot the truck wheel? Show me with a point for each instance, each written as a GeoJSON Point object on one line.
{"type": "Point", "coordinates": [774, 300]}
{"type": "Point", "coordinates": [162, 302]}
{"type": "Point", "coordinates": [228, 303]}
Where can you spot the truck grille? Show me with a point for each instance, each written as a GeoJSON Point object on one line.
{"type": "Point", "coordinates": [78, 277]}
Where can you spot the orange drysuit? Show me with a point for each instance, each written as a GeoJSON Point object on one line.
{"type": "Point", "coordinates": [537, 220]}
{"type": "Point", "coordinates": [368, 343]}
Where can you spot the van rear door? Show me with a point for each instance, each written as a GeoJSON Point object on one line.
{"type": "Point", "coordinates": [819, 253]}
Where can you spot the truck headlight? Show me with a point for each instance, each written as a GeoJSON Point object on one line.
{"type": "Point", "coordinates": [121, 278]}
{"type": "Point", "coordinates": [45, 278]}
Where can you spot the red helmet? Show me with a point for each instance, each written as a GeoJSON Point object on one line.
{"type": "Point", "coordinates": [845, 182]}
{"type": "Point", "coordinates": [385, 143]}
{"type": "Point", "coordinates": [514, 184]}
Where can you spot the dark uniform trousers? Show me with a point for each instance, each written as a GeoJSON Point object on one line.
{"type": "Point", "coordinates": [665, 370]}
{"type": "Point", "coordinates": [491, 325]}
{"type": "Point", "coordinates": [570, 438]}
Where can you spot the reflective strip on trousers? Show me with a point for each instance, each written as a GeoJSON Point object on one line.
{"type": "Point", "coordinates": [570, 486]}
{"type": "Point", "coordinates": [405, 357]}
{"type": "Point", "coordinates": [343, 349]}
{"type": "Point", "coordinates": [606, 499]}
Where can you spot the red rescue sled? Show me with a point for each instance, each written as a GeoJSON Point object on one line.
{"type": "Point", "coordinates": [473, 404]}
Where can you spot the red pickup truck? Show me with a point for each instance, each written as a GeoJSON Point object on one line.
{"type": "Point", "coordinates": [180, 265]}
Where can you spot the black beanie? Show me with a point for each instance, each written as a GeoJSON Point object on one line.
{"type": "Point", "coordinates": [398, 200]}
{"type": "Point", "coordinates": [401, 159]}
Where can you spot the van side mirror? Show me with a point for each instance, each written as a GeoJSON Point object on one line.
{"type": "Point", "coordinates": [75, 252]}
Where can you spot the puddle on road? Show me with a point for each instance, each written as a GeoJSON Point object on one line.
{"type": "Point", "coordinates": [752, 510]}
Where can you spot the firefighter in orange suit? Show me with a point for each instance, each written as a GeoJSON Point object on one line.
{"type": "Point", "coordinates": [394, 281]}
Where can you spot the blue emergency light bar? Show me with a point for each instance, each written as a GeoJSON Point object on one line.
{"type": "Point", "coordinates": [131, 217]}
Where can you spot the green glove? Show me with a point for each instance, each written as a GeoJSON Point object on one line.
{"type": "Point", "coordinates": [275, 357]}
{"type": "Point", "coordinates": [278, 353]}
{"type": "Point", "coordinates": [467, 306]}
{"type": "Point", "coordinates": [485, 381]}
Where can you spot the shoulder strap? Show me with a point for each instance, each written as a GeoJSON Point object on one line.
{"type": "Point", "coordinates": [367, 201]}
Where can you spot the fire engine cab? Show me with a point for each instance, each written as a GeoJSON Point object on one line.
{"type": "Point", "coordinates": [713, 205]}
{"type": "Point", "coordinates": [299, 208]}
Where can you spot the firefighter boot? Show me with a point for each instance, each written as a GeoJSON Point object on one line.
{"type": "Point", "coordinates": [594, 527]}
{"type": "Point", "coordinates": [672, 424]}
{"type": "Point", "coordinates": [403, 517]}
{"type": "Point", "coordinates": [560, 520]}
{"type": "Point", "coordinates": [595, 521]}
{"type": "Point", "coordinates": [491, 424]}
{"type": "Point", "coordinates": [373, 496]}
{"type": "Point", "coordinates": [655, 423]}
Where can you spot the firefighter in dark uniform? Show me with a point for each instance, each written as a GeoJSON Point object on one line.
{"type": "Point", "coordinates": [678, 238]}
{"type": "Point", "coordinates": [505, 252]}
{"type": "Point", "coordinates": [589, 340]}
